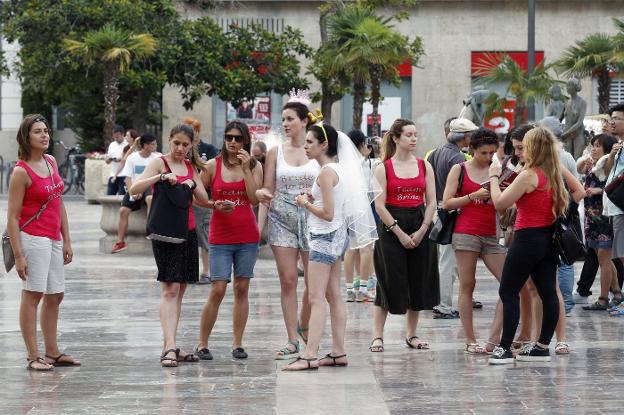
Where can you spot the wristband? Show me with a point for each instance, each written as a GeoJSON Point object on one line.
{"type": "Point", "coordinates": [389, 228]}
{"type": "Point", "coordinates": [162, 177]}
{"type": "Point", "coordinates": [493, 176]}
{"type": "Point", "coordinates": [469, 197]}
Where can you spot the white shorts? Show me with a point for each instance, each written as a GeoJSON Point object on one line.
{"type": "Point", "coordinates": [44, 261]}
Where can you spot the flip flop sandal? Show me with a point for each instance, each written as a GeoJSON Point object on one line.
{"type": "Point", "coordinates": [376, 348]}
{"type": "Point", "coordinates": [57, 362]}
{"type": "Point", "coordinates": [420, 345]}
{"type": "Point", "coordinates": [39, 360]}
{"type": "Point", "coordinates": [239, 353]}
{"type": "Point", "coordinates": [562, 348]}
{"type": "Point", "coordinates": [203, 353]}
{"type": "Point", "coordinates": [334, 363]}
{"type": "Point", "coordinates": [477, 304]}
{"type": "Point", "coordinates": [474, 348]}
{"type": "Point", "coordinates": [187, 358]}
{"type": "Point", "coordinates": [173, 361]}
{"type": "Point", "coordinates": [286, 353]}
{"type": "Point", "coordinates": [308, 361]}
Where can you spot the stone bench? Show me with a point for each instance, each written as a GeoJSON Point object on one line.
{"type": "Point", "coordinates": [135, 237]}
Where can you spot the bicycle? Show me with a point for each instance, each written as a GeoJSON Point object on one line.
{"type": "Point", "coordinates": [72, 169]}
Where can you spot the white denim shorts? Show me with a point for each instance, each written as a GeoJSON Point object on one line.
{"type": "Point", "coordinates": [44, 260]}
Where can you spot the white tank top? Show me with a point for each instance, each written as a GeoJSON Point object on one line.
{"type": "Point", "coordinates": [318, 225]}
{"type": "Point", "coordinates": [294, 179]}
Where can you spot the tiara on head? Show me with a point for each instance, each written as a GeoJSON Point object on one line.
{"type": "Point", "coordinates": [299, 95]}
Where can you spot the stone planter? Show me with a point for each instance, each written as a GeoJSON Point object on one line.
{"type": "Point", "coordinates": [96, 176]}
{"type": "Point", "coordinates": [135, 237]}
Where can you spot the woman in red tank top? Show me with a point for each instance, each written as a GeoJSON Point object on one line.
{"type": "Point", "coordinates": [233, 178]}
{"type": "Point", "coordinates": [475, 233]}
{"type": "Point", "coordinates": [41, 246]}
{"type": "Point", "coordinates": [406, 262]}
{"type": "Point", "coordinates": [178, 264]}
{"type": "Point", "coordinates": [532, 251]}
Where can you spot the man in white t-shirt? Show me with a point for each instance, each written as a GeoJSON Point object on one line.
{"type": "Point", "coordinates": [114, 155]}
{"type": "Point", "coordinates": [135, 165]}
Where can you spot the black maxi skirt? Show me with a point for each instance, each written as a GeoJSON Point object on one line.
{"type": "Point", "coordinates": [407, 279]}
{"type": "Point", "coordinates": [177, 262]}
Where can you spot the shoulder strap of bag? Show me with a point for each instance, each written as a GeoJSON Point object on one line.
{"type": "Point", "coordinates": [45, 204]}
{"type": "Point", "coordinates": [460, 182]}
{"type": "Point", "coordinates": [166, 164]}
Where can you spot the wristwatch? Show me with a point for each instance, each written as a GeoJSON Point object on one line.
{"type": "Point", "coordinates": [162, 177]}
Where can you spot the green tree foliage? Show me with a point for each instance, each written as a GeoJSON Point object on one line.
{"type": "Point", "coordinates": [498, 68]}
{"type": "Point", "coordinates": [595, 55]}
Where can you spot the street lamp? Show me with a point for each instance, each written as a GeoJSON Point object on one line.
{"type": "Point", "coordinates": [531, 57]}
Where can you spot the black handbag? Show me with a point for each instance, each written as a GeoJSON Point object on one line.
{"type": "Point", "coordinates": [169, 214]}
{"type": "Point", "coordinates": [568, 237]}
{"type": "Point", "coordinates": [615, 189]}
{"type": "Point", "coordinates": [442, 230]}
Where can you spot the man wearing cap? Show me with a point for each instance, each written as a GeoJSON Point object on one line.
{"type": "Point", "coordinates": [442, 159]}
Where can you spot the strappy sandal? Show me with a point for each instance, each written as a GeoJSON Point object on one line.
{"type": "Point", "coordinates": [333, 358]}
{"type": "Point", "coordinates": [172, 361]}
{"type": "Point", "coordinates": [492, 344]}
{"type": "Point", "coordinates": [188, 358]}
{"type": "Point", "coordinates": [286, 353]}
{"type": "Point", "coordinates": [40, 360]}
{"type": "Point", "coordinates": [474, 348]}
{"type": "Point", "coordinates": [420, 345]}
{"type": "Point", "coordinates": [308, 361]}
{"type": "Point", "coordinates": [562, 348]}
{"type": "Point", "coordinates": [300, 331]}
{"type": "Point", "coordinates": [376, 348]}
{"type": "Point", "coordinates": [57, 362]}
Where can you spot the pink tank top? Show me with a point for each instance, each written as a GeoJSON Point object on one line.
{"type": "Point", "coordinates": [405, 192]}
{"type": "Point", "coordinates": [48, 224]}
{"type": "Point", "coordinates": [477, 217]}
{"type": "Point", "coordinates": [181, 179]}
{"type": "Point", "coordinates": [238, 227]}
{"type": "Point", "coordinates": [535, 209]}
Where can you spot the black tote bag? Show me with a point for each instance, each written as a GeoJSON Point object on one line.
{"type": "Point", "coordinates": [442, 231]}
{"type": "Point", "coordinates": [168, 217]}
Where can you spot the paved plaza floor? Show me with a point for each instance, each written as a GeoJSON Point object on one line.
{"type": "Point", "coordinates": [109, 320]}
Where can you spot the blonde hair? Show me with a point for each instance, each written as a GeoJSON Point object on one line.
{"type": "Point", "coordinates": [388, 146]}
{"type": "Point", "coordinates": [540, 151]}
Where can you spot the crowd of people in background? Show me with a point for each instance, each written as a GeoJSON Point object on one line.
{"type": "Point", "coordinates": [322, 197]}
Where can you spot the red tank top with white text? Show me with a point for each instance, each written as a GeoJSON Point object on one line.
{"type": "Point", "coordinates": [48, 224]}
{"type": "Point", "coordinates": [405, 192]}
{"type": "Point", "coordinates": [535, 209]}
{"type": "Point", "coordinates": [477, 217]}
{"type": "Point", "coordinates": [238, 227]}
{"type": "Point", "coordinates": [182, 179]}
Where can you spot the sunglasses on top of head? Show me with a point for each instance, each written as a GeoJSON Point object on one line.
{"type": "Point", "coordinates": [234, 137]}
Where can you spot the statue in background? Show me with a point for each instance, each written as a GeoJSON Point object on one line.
{"type": "Point", "coordinates": [474, 106]}
{"type": "Point", "coordinates": [574, 114]}
{"type": "Point", "coordinates": [556, 106]}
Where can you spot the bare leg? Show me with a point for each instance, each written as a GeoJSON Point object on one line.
{"type": "Point", "coordinates": [240, 310]}
{"type": "Point", "coordinates": [211, 311]}
{"type": "Point", "coordinates": [494, 263]}
{"type": "Point", "coordinates": [203, 254]}
{"type": "Point", "coordinates": [122, 228]}
{"type": "Point", "coordinates": [412, 322]}
{"type": "Point", "coordinates": [560, 330]}
{"type": "Point", "coordinates": [286, 260]}
{"type": "Point", "coordinates": [379, 321]}
{"type": "Point", "coordinates": [28, 324]}
{"type": "Point", "coordinates": [349, 264]}
{"type": "Point", "coordinates": [466, 267]}
{"type": "Point", "coordinates": [304, 316]}
{"type": "Point", "coordinates": [169, 314]}
{"type": "Point", "coordinates": [337, 310]}
{"type": "Point", "coordinates": [366, 262]}
{"type": "Point", "coordinates": [608, 273]}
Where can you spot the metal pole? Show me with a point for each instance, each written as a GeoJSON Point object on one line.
{"type": "Point", "coordinates": [531, 50]}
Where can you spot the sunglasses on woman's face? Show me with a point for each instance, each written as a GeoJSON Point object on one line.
{"type": "Point", "coordinates": [231, 137]}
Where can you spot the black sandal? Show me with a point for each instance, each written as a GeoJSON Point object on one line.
{"type": "Point", "coordinates": [57, 362]}
{"type": "Point", "coordinates": [173, 361]}
{"type": "Point", "coordinates": [334, 363]}
{"type": "Point", "coordinates": [188, 358]}
{"type": "Point", "coordinates": [239, 353]}
{"type": "Point", "coordinates": [39, 360]}
{"type": "Point", "coordinates": [378, 348]}
{"type": "Point", "coordinates": [309, 361]}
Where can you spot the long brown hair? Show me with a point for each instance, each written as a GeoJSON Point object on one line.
{"type": "Point", "coordinates": [23, 135]}
{"type": "Point", "coordinates": [242, 127]}
{"type": "Point", "coordinates": [388, 146]}
{"type": "Point", "coordinates": [540, 151]}
{"type": "Point", "coordinates": [193, 155]}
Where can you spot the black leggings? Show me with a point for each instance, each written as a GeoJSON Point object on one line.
{"type": "Point", "coordinates": [531, 254]}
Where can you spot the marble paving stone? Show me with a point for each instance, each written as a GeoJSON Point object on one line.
{"type": "Point", "coordinates": [109, 319]}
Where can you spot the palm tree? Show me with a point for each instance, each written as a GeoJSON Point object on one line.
{"type": "Point", "coordinates": [499, 68]}
{"type": "Point", "coordinates": [593, 55]}
{"type": "Point", "coordinates": [113, 51]}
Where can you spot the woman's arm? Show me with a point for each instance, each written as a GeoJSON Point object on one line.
{"type": "Point", "coordinates": [583, 164]}
{"type": "Point", "coordinates": [430, 205]}
{"type": "Point", "coordinates": [17, 188]}
{"type": "Point", "coordinates": [326, 179]}
{"type": "Point", "coordinates": [153, 173]}
{"type": "Point", "coordinates": [252, 178]}
{"type": "Point", "coordinates": [575, 187]}
{"type": "Point", "coordinates": [68, 253]}
{"type": "Point", "coordinates": [266, 193]}
{"type": "Point", "coordinates": [384, 215]}
{"type": "Point", "coordinates": [524, 183]}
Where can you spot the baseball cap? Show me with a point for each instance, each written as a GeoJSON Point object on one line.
{"type": "Point", "coordinates": [462, 125]}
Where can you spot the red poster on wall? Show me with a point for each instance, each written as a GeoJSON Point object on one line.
{"type": "Point", "coordinates": [501, 122]}
{"type": "Point", "coordinates": [255, 113]}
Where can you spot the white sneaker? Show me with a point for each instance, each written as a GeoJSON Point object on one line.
{"type": "Point", "coordinates": [579, 299]}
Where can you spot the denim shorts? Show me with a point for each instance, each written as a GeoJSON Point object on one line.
{"type": "Point", "coordinates": [327, 248]}
{"type": "Point", "coordinates": [240, 257]}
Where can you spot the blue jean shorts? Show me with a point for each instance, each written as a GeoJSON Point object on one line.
{"type": "Point", "coordinates": [239, 257]}
{"type": "Point", "coordinates": [327, 248]}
